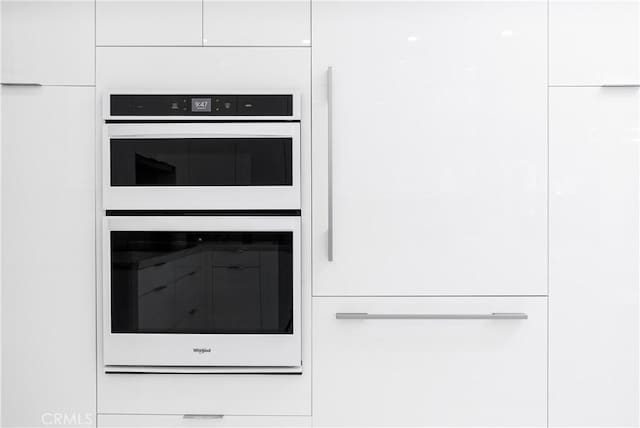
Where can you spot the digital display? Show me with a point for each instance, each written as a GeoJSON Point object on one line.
{"type": "Point", "coordinates": [201, 105]}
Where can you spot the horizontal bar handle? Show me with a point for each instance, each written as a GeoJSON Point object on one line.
{"type": "Point", "coordinates": [492, 316]}
{"type": "Point", "coordinates": [20, 84]}
{"type": "Point", "coordinates": [183, 135]}
{"type": "Point", "coordinates": [620, 85]}
{"type": "Point", "coordinates": [202, 416]}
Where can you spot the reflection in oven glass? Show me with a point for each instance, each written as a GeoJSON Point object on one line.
{"type": "Point", "coordinates": [202, 282]}
{"type": "Point", "coordinates": [202, 162]}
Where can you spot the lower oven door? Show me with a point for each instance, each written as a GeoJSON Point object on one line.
{"type": "Point", "coordinates": [201, 291]}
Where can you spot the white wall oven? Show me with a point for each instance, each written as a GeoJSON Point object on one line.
{"type": "Point", "coordinates": [201, 252]}
{"type": "Point", "coordinates": [212, 291]}
{"type": "Point", "coordinates": [198, 151]}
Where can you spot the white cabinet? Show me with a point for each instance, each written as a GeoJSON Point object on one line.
{"type": "Point", "coordinates": [429, 372]}
{"type": "Point", "coordinates": [257, 22]}
{"type": "Point", "coordinates": [49, 42]}
{"type": "Point", "coordinates": [48, 256]}
{"type": "Point", "coordinates": [439, 148]}
{"type": "Point", "coordinates": [594, 42]}
{"type": "Point", "coordinates": [203, 22]}
{"type": "Point", "coordinates": [209, 421]}
{"type": "Point", "coordinates": [149, 22]}
{"type": "Point", "coordinates": [593, 236]}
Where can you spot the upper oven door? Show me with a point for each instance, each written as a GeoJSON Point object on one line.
{"type": "Point", "coordinates": [201, 291]}
{"type": "Point", "coordinates": [164, 166]}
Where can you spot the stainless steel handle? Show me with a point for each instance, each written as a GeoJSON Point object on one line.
{"type": "Point", "coordinates": [330, 163]}
{"type": "Point", "coordinates": [20, 84]}
{"type": "Point", "coordinates": [202, 416]}
{"type": "Point", "coordinates": [492, 316]}
{"type": "Point", "coordinates": [620, 85]}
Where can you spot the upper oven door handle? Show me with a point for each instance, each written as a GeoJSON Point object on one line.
{"type": "Point", "coordinates": [203, 130]}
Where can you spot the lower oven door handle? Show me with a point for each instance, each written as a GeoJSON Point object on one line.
{"type": "Point", "coordinates": [492, 316]}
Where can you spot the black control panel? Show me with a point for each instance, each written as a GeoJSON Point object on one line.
{"type": "Point", "coordinates": [201, 105]}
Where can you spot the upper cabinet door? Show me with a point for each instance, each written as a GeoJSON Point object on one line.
{"type": "Point", "coordinates": [594, 42]}
{"type": "Point", "coordinates": [149, 23]}
{"type": "Point", "coordinates": [48, 42]}
{"type": "Point", "coordinates": [257, 23]}
{"type": "Point", "coordinates": [430, 172]}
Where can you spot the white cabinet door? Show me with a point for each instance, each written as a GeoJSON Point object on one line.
{"type": "Point", "coordinates": [439, 162]}
{"type": "Point", "coordinates": [149, 22]}
{"type": "Point", "coordinates": [593, 237]}
{"type": "Point", "coordinates": [48, 257]}
{"type": "Point", "coordinates": [429, 372]}
{"type": "Point", "coordinates": [257, 22]}
{"type": "Point", "coordinates": [594, 42]}
{"type": "Point", "coordinates": [49, 42]}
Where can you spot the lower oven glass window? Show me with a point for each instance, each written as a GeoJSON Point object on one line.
{"type": "Point", "coordinates": [202, 282]}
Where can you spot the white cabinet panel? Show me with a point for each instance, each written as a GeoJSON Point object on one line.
{"type": "Point", "coordinates": [594, 42]}
{"type": "Point", "coordinates": [439, 148]}
{"type": "Point", "coordinates": [593, 289]}
{"type": "Point", "coordinates": [48, 42]}
{"type": "Point", "coordinates": [48, 257]}
{"type": "Point", "coordinates": [149, 22]}
{"type": "Point", "coordinates": [426, 372]}
{"type": "Point", "coordinates": [209, 421]}
{"type": "Point", "coordinates": [257, 22]}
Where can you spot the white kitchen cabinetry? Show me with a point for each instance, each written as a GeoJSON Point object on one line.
{"type": "Point", "coordinates": [209, 421]}
{"type": "Point", "coordinates": [149, 22]}
{"type": "Point", "coordinates": [594, 42]}
{"type": "Point", "coordinates": [593, 236]}
{"type": "Point", "coordinates": [439, 148]}
{"type": "Point", "coordinates": [48, 42]}
{"type": "Point", "coordinates": [257, 23]}
{"type": "Point", "coordinates": [48, 257]}
{"type": "Point", "coordinates": [430, 372]}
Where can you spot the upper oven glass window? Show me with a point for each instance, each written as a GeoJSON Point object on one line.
{"type": "Point", "coordinates": [202, 282]}
{"type": "Point", "coordinates": [201, 162]}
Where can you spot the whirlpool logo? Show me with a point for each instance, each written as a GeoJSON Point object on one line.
{"type": "Point", "coordinates": [201, 350]}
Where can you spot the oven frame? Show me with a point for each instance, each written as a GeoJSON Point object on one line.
{"type": "Point", "coordinates": [230, 352]}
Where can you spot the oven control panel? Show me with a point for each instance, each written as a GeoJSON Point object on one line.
{"type": "Point", "coordinates": [201, 105]}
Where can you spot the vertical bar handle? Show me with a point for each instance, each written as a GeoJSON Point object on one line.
{"type": "Point", "coordinates": [330, 163]}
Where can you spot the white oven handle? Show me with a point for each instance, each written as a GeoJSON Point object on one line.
{"type": "Point", "coordinates": [203, 130]}
{"type": "Point", "coordinates": [208, 135]}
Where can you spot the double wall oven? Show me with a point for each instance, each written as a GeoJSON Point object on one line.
{"type": "Point", "coordinates": [201, 263]}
